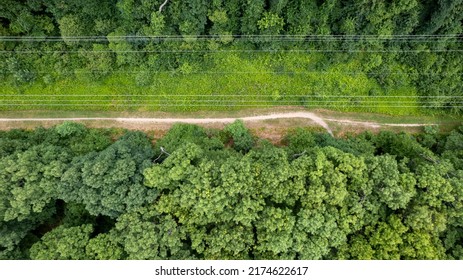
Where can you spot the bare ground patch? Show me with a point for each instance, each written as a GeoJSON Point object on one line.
{"type": "Point", "coordinates": [271, 124]}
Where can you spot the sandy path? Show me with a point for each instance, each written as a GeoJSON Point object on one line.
{"type": "Point", "coordinates": [377, 125]}
{"type": "Point", "coordinates": [302, 115]}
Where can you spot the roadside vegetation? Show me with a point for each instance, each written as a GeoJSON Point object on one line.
{"type": "Point", "coordinates": [399, 57]}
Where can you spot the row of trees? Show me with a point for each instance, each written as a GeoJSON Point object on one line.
{"type": "Point", "coordinates": [70, 192]}
{"type": "Point", "coordinates": [219, 17]}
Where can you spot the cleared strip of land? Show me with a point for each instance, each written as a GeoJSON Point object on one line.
{"type": "Point", "coordinates": [291, 115]}
{"type": "Point", "coordinates": [303, 115]}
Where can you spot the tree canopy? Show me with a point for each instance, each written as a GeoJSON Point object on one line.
{"type": "Point", "coordinates": [197, 194]}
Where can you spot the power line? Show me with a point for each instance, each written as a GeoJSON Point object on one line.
{"type": "Point", "coordinates": [237, 103]}
{"type": "Point", "coordinates": [245, 72]}
{"type": "Point", "coordinates": [221, 100]}
{"type": "Point", "coordinates": [242, 95]}
{"type": "Point", "coordinates": [236, 51]}
{"type": "Point", "coordinates": [250, 39]}
{"type": "Point", "coordinates": [169, 98]}
{"type": "Point", "coordinates": [229, 105]}
{"type": "Point", "coordinates": [248, 36]}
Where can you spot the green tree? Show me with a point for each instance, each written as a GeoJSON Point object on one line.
{"type": "Point", "coordinates": [63, 243]}
{"type": "Point", "coordinates": [99, 62]}
{"type": "Point", "coordinates": [252, 13]}
{"type": "Point", "coordinates": [193, 17]}
{"type": "Point", "coordinates": [71, 26]}
{"type": "Point", "coordinates": [30, 181]}
{"type": "Point", "coordinates": [68, 129]}
{"type": "Point", "coordinates": [386, 237]}
{"type": "Point", "coordinates": [105, 246]}
{"type": "Point", "coordinates": [275, 234]}
{"type": "Point", "coordinates": [393, 188]}
{"type": "Point", "coordinates": [242, 138]}
{"type": "Point", "coordinates": [209, 199]}
{"type": "Point", "coordinates": [422, 246]}
{"type": "Point", "coordinates": [271, 23]}
{"type": "Point", "coordinates": [12, 235]}
{"type": "Point", "coordinates": [144, 234]}
{"type": "Point", "coordinates": [180, 134]}
{"type": "Point", "coordinates": [110, 182]}
{"type": "Point", "coordinates": [444, 17]}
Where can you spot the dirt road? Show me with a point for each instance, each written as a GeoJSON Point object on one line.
{"type": "Point", "coordinates": [292, 115]}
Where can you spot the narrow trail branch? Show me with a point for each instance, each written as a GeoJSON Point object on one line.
{"type": "Point", "coordinates": [162, 5]}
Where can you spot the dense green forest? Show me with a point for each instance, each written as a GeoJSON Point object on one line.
{"type": "Point", "coordinates": [390, 56]}
{"type": "Point", "coordinates": [72, 192]}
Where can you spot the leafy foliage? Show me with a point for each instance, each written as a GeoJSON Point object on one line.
{"type": "Point", "coordinates": [364, 56]}
{"type": "Point", "coordinates": [109, 182]}
{"type": "Point", "coordinates": [242, 139]}
{"type": "Point", "coordinates": [62, 244]}
{"type": "Point", "coordinates": [384, 196]}
{"type": "Point", "coordinates": [71, 192]}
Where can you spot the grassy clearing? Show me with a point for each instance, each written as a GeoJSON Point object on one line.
{"type": "Point", "coordinates": [148, 114]}
{"type": "Point", "coordinates": [230, 82]}
{"type": "Point", "coordinates": [440, 119]}
{"type": "Point", "coordinates": [446, 123]}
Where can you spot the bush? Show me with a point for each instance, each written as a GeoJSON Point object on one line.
{"type": "Point", "coordinates": [242, 138]}
{"type": "Point", "coordinates": [67, 129]}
